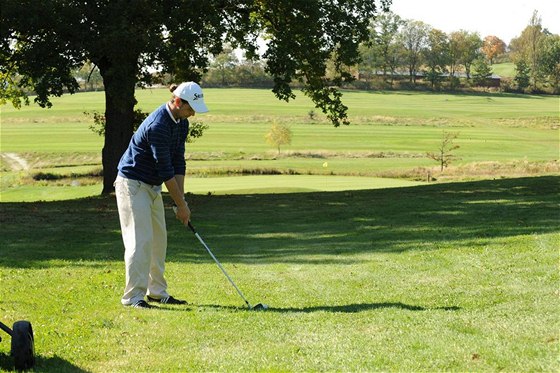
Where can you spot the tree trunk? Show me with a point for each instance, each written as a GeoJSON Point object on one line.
{"type": "Point", "coordinates": [119, 116]}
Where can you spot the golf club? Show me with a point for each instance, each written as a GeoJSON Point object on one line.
{"type": "Point", "coordinates": [256, 307]}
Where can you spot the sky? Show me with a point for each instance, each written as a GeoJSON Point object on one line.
{"type": "Point", "coordinates": [505, 19]}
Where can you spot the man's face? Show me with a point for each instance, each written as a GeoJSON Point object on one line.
{"type": "Point", "coordinates": [185, 110]}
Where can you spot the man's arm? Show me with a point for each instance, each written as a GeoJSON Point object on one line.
{"type": "Point", "coordinates": [181, 183]}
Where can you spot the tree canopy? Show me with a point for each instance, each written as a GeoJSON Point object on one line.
{"type": "Point", "coordinates": [493, 46]}
{"type": "Point", "coordinates": [43, 42]}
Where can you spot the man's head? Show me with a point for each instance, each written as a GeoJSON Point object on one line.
{"type": "Point", "coordinates": [192, 94]}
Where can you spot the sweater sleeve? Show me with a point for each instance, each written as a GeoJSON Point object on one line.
{"type": "Point", "coordinates": [159, 136]}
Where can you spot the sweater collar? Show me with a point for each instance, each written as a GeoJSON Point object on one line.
{"type": "Point", "coordinates": [171, 114]}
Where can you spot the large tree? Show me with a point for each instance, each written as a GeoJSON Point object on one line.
{"type": "Point", "coordinates": [42, 42]}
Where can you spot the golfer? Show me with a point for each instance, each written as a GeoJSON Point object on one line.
{"type": "Point", "coordinates": [155, 155]}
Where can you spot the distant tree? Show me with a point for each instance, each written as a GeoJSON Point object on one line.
{"type": "Point", "coordinates": [549, 57]}
{"type": "Point", "coordinates": [481, 71]}
{"type": "Point", "coordinates": [278, 135]}
{"type": "Point", "coordinates": [492, 47]}
{"type": "Point", "coordinates": [522, 74]}
{"type": "Point", "coordinates": [444, 154]}
{"type": "Point", "coordinates": [252, 74]}
{"type": "Point", "coordinates": [414, 38]}
{"type": "Point", "coordinates": [526, 48]}
{"type": "Point", "coordinates": [464, 49]}
{"type": "Point", "coordinates": [535, 34]}
{"type": "Point", "coordinates": [369, 61]}
{"type": "Point", "coordinates": [456, 46]}
{"type": "Point", "coordinates": [396, 58]}
{"type": "Point", "coordinates": [223, 65]}
{"type": "Point", "coordinates": [384, 31]}
{"type": "Point", "coordinates": [436, 56]}
{"type": "Point", "coordinates": [471, 51]}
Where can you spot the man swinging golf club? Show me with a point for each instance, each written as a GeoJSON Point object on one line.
{"type": "Point", "coordinates": [155, 155]}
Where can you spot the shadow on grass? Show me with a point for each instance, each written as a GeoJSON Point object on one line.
{"type": "Point", "coordinates": [54, 364]}
{"type": "Point", "coordinates": [313, 228]}
{"type": "Point", "coordinates": [335, 228]}
{"type": "Point", "coordinates": [360, 307]}
{"type": "Point", "coordinates": [348, 308]}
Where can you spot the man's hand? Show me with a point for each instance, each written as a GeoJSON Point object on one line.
{"type": "Point", "coordinates": [175, 188]}
{"type": "Point", "coordinates": [183, 213]}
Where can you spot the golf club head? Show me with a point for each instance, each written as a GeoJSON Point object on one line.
{"type": "Point", "coordinates": [260, 307]}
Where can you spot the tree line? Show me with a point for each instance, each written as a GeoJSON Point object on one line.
{"type": "Point", "coordinates": [460, 58]}
{"type": "Point", "coordinates": [403, 53]}
{"type": "Point", "coordinates": [409, 54]}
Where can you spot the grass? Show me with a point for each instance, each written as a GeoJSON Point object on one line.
{"type": "Point", "coordinates": [260, 106]}
{"type": "Point", "coordinates": [217, 185]}
{"type": "Point", "coordinates": [390, 135]}
{"type": "Point", "coordinates": [443, 277]}
{"type": "Point", "coordinates": [361, 273]}
{"type": "Point", "coordinates": [506, 69]}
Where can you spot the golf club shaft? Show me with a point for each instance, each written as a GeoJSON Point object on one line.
{"type": "Point", "coordinates": [218, 263]}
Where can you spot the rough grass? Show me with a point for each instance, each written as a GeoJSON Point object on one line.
{"type": "Point", "coordinates": [448, 277]}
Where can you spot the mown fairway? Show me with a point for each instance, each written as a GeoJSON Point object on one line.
{"type": "Point", "coordinates": [499, 134]}
{"type": "Point", "coordinates": [448, 277]}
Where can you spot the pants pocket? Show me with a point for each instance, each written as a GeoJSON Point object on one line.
{"type": "Point", "coordinates": [126, 187]}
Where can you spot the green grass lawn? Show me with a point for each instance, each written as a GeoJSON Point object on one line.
{"type": "Point", "coordinates": [390, 136]}
{"type": "Point", "coordinates": [219, 185]}
{"type": "Point", "coordinates": [444, 277]}
{"type": "Point", "coordinates": [238, 105]}
{"type": "Point", "coordinates": [505, 70]}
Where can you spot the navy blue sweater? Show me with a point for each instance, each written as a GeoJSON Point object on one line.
{"type": "Point", "coordinates": [156, 151]}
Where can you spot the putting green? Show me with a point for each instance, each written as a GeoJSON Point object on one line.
{"type": "Point", "coordinates": [288, 184]}
{"type": "Point", "coordinates": [217, 185]}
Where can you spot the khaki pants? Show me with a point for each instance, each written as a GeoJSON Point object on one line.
{"type": "Point", "coordinates": [144, 233]}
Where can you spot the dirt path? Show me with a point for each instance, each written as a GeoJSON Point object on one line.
{"type": "Point", "coordinates": [15, 162]}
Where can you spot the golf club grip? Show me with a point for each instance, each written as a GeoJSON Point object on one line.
{"type": "Point", "coordinates": [192, 227]}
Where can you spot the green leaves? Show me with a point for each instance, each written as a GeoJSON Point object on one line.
{"type": "Point", "coordinates": [304, 37]}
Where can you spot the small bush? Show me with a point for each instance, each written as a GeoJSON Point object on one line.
{"type": "Point", "coordinates": [46, 176]}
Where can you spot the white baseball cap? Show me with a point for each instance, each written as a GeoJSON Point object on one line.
{"type": "Point", "coordinates": [192, 93]}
